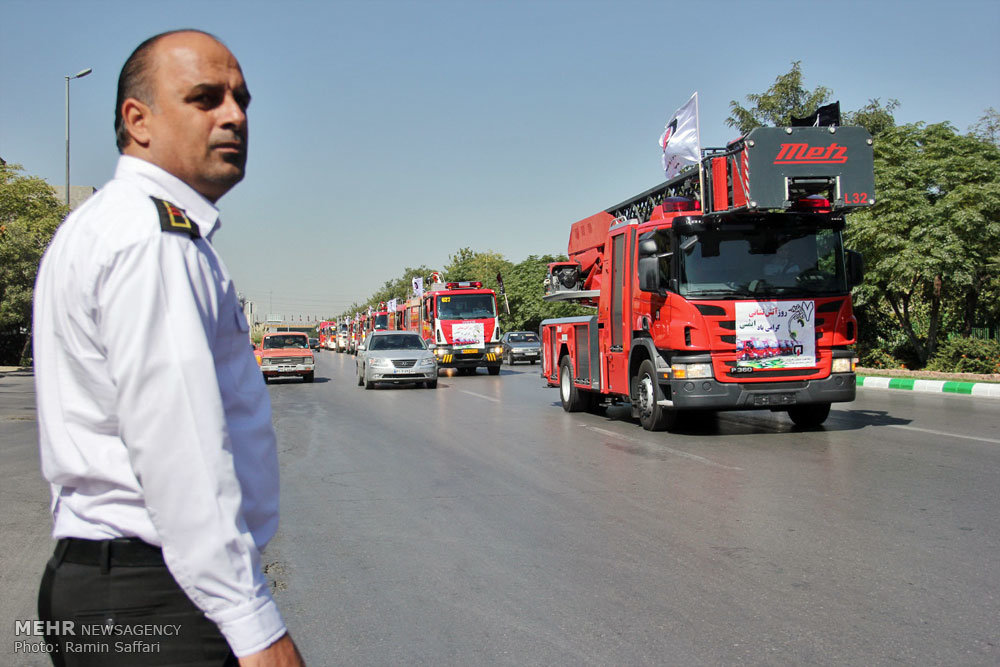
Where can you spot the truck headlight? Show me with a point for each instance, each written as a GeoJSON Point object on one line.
{"type": "Point", "coordinates": [843, 365]}
{"type": "Point", "coordinates": [498, 350]}
{"type": "Point", "coordinates": [691, 371]}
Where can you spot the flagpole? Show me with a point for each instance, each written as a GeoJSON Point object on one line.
{"type": "Point", "coordinates": [701, 162]}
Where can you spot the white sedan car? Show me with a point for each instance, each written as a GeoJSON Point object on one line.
{"type": "Point", "coordinates": [395, 356]}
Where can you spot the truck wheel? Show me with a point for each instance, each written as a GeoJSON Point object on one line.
{"type": "Point", "coordinates": [573, 400]}
{"type": "Point", "coordinates": [652, 416]}
{"type": "Point", "coordinates": [809, 416]}
{"type": "Point", "coordinates": [510, 358]}
{"type": "Point", "coordinates": [431, 384]}
{"type": "Point", "coordinates": [309, 377]}
{"type": "Point", "coordinates": [360, 379]}
{"type": "Point", "coordinates": [369, 384]}
{"type": "Point", "coordinates": [493, 370]}
{"type": "Point", "coordinates": [532, 362]}
{"type": "Point", "coordinates": [267, 380]}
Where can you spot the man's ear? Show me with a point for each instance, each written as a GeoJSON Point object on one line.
{"type": "Point", "coordinates": [136, 116]}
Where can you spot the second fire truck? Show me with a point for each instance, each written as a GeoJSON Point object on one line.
{"type": "Point", "coordinates": [459, 321]}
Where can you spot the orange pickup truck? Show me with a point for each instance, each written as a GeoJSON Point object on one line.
{"type": "Point", "coordinates": [285, 354]}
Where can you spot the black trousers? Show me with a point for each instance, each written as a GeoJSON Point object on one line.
{"type": "Point", "coordinates": [115, 603]}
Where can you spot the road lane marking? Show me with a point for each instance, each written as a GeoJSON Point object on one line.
{"type": "Point", "coordinates": [472, 393]}
{"type": "Point", "coordinates": [671, 450]}
{"type": "Point", "coordinates": [946, 435]}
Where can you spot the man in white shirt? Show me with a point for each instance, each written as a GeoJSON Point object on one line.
{"type": "Point", "coordinates": [155, 424]}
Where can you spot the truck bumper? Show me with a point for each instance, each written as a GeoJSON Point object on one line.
{"type": "Point", "coordinates": [448, 358]}
{"type": "Point", "coordinates": [709, 394]}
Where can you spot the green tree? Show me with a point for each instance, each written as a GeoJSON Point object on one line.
{"type": "Point", "coordinates": [932, 241]}
{"type": "Point", "coordinates": [874, 116]}
{"type": "Point", "coordinates": [29, 215]}
{"type": "Point", "coordinates": [776, 106]}
{"type": "Point", "coordinates": [988, 127]}
{"type": "Point", "coordinates": [467, 264]}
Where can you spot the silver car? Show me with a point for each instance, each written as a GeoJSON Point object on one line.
{"type": "Point", "coordinates": [395, 356]}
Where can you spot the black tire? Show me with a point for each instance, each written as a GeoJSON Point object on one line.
{"type": "Point", "coordinates": [510, 358]}
{"type": "Point", "coordinates": [309, 377]}
{"type": "Point", "coordinates": [809, 416]}
{"type": "Point", "coordinates": [360, 379]}
{"type": "Point", "coordinates": [573, 400]}
{"type": "Point", "coordinates": [493, 370]}
{"type": "Point", "coordinates": [431, 384]}
{"type": "Point", "coordinates": [652, 415]}
{"type": "Point", "coordinates": [267, 380]}
{"type": "Point", "coordinates": [533, 362]}
{"type": "Point", "coordinates": [369, 385]}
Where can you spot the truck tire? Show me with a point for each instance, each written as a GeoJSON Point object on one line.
{"type": "Point", "coordinates": [573, 400]}
{"type": "Point", "coordinates": [493, 370]}
{"type": "Point", "coordinates": [809, 416]}
{"type": "Point", "coordinates": [309, 377]}
{"type": "Point", "coordinates": [431, 384]}
{"type": "Point", "coordinates": [360, 379]}
{"type": "Point", "coordinates": [652, 415]}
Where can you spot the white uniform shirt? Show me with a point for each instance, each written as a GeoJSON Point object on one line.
{"type": "Point", "coordinates": [154, 419]}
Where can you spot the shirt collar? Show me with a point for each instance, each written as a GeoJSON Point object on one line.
{"type": "Point", "coordinates": [162, 184]}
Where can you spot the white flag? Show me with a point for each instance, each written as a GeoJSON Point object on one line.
{"type": "Point", "coordinates": [679, 141]}
{"type": "Point", "coordinates": [418, 286]}
{"type": "Point", "coordinates": [391, 307]}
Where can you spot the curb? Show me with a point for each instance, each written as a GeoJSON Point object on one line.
{"type": "Point", "coordinates": [980, 389]}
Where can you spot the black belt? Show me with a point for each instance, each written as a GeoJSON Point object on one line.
{"type": "Point", "coordinates": [119, 552]}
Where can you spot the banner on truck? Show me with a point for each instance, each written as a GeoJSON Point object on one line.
{"type": "Point", "coordinates": [775, 334]}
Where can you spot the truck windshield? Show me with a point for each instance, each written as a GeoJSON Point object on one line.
{"type": "Point", "coordinates": [381, 322]}
{"type": "Point", "coordinates": [762, 262]}
{"type": "Point", "coordinates": [285, 342]}
{"type": "Point", "coordinates": [466, 307]}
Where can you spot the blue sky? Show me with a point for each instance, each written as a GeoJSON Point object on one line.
{"type": "Point", "coordinates": [390, 134]}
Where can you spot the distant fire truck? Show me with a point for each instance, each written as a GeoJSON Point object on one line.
{"type": "Point", "coordinates": [459, 320]}
{"type": "Point", "coordinates": [724, 288]}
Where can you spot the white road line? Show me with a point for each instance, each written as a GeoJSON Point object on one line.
{"type": "Point", "coordinates": [472, 393]}
{"type": "Point", "coordinates": [671, 450]}
{"type": "Point", "coordinates": [946, 435]}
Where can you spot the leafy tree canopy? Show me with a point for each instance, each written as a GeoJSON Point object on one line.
{"type": "Point", "coordinates": [933, 237]}
{"type": "Point", "coordinates": [29, 215]}
{"type": "Point", "coordinates": [776, 106]}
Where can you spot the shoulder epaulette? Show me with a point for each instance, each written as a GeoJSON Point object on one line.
{"type": "Point", "coordinates": [174, 219]}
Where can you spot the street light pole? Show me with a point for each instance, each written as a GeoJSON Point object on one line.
{"type": "Point", "coordinates": [78, 75]}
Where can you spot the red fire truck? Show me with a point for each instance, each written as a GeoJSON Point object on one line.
{"type": "Point", "coordinates": [724, 288]}
{"type": "Point", "coordinates": [459, 320]}
{"type": "Point", "coordinates": [327, 331]}
{"type": "Point", "coordinates": [381, 319]}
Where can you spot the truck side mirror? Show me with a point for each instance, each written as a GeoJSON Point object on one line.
{"type": "Point", "coordinates": [855, 268]}
{"type": "Point", "coordinates": [649, 274]}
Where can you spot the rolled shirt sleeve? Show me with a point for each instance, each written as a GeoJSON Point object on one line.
{"type": "Point", "coordinates": [163, 314]}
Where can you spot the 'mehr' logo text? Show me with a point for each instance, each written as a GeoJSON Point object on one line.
{"type": "Point", "coordinates": [806, 154]}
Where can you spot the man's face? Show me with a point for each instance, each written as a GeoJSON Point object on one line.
{"type": "Point", "coordinates": [198, 125]}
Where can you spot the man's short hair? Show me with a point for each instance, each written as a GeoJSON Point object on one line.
{"type": "Point", "coordinates": [134, 80]}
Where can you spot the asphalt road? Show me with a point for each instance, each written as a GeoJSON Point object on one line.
{"type": "Point", "coordinates": [480, 524]}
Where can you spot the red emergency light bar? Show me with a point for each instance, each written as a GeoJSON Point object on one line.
{"type": "Point", "coordinates": [812, 204]}
{"type": "Point", "coordinates": [465, 284]}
